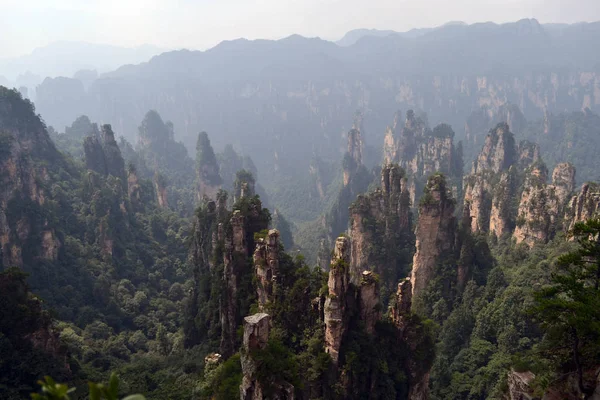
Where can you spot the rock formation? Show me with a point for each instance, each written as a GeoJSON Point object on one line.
{"type": "Point", "coordinates": [335, 306]}
{"type": "Point", "coordinates": [400, 311]}
{"type": "Point", "coordinates": [266, 264]}
{"type": "Point", "coordinates": [542, 206]}
{"type": "Point", "coordinates": [234, 257]}
{"type": "Point", "coordinates": [583, 206]}
{"type": "Point", "coordinates": [495, 181]}
{"type": "Point", "coordinates": [94, 155]}
{"type": "Point", "coordinates": [115, 165]}
{"type": "Point", "coordinates": [221, 247]}
{"type": "Point", "coordinates": [207, 169]}
{"type": "Point", "coordinates": [435, 233]}
{"type": "Point", "coordinates": [27, 160]}
{"type": "Point", "coordinates": [368, 305]}
{"type": "Point", "coordinates": [160, 188]}
{"type": "Point", "coordinates": [380, 221]}
{"type": "Point", "coordinates": [102, 154]}
{"type": "Point", "coordinates": [133, 185]}
{"type": "Point", "coordinates": [421, 151]}
{"type": "Point", "coordinates": [356, 180]}
{"type": "Point", "coordinates": [256, 336]}
{"type": "Point", "coordinates": [244, 185]}
{"type": "Point", "coordinates": [353, 157]}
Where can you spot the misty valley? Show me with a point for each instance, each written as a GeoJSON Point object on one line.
{"type": "Point", "coordinates": [395, 215]}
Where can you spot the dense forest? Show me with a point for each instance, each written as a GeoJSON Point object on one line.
{"type": "Point", "coordinates": [307, 246]}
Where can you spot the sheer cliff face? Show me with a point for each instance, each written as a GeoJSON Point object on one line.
{"type": "Point", "coordinates": [435, 233]}
{"type": "Point", "coordinates": [420, 151]}
{"type": "Point", "coordinates": [223, 241]}
{"type": "Point", "coordinates": [542, 206]}
{"type": "Point", "coordinates": [494, 181]}
{"type": "Point", "coordinates": [379, 222]}
{"type": "Point", "coordinates": [336, 319]}
{"type": "Point", "coordinates": [102, 154]}
{"type": "Point", "coordinates": [499, 151]}
{"type": "Point", "coordinates": [27, 156]}
{"type": "Point", "coordinates": [584, 205]}
{"type": "Point", "coordinates": [207, 169]}
{"type": "Point", "coordinates": [266, 264]}
{"type": "Point", "coordinates": [256, 336]}
{"type": "Point", "coordinates": [353, 158]}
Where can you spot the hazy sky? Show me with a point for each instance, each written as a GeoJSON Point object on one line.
{"type": "Point", "coordinates": [199, 24]}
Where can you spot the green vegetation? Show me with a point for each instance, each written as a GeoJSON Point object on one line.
{"type": "Point", "coordinates": [57, 391]}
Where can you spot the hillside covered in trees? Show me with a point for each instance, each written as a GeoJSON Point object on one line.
{"type": "Point", "coordinates": [422, 279]}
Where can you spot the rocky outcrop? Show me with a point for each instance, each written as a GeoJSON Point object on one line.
{"type": "Point", "coordinates": [102, 154]}
{"type": "Point", "coordinates": [434, 234]}
{"type": "Point", "coordinates": [220, 253]}
{"type": "Point", "coordinates": [266, 264]}
{"type": "Point", "coordinates": [421, 151]}
{"type": "Point", "coordinates": [28, 158]}
{"type": "Point", "coordinates": [244, 185]}
{"type": "Point", "coordinates": [583, 206]}
{"type": "Point", "coordinates": [542, 206]}
{"type": "Point", "coordinates": [495, 181]}
{"type": "Point", "coordinates": [256, 337]}
{"type": "Point", "coordinates": [402, 304]}
{"type": "Point", "coordinates": [381, 220]}
{"type": "Point", "coordinates": [336, 318]}
{"type": "Point", "coordinates": [563, 180]}
{"type": "Point", "coordinates": [133, 186]}
{"type": "Point", "coordinates": [485, 118]}
{"type": "Point", "coordinates": [368, 304]}
{"type": "Point", "coordinates": [160, 188]}
{"type": "Point", "coordinates": [234, 257]}
{"type": "Point", "coordinates": [356, 180]}
{"type": "Point", "coordinates": [518, 385]}
{"type": "Point", "coordinates": [353, 157]}
{"type": "Point", "coordinates": [207, 169]}
{"type": "Point", "coordinates": [94, 155]}
{"type": "Point", "coordinates": [499, 151]}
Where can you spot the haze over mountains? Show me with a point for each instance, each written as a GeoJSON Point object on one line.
{"type": "Point", "coordinates": [396, 215]}
{"type": "Point", "coordinates": [283, 102]}
{"type": "Point", "coordinates": [67, 57]}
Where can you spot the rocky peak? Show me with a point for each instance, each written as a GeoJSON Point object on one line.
{"type": "Point", "coordinates": [94, 155]}
{"type": "Point", "coordinates": [499, 151]}
{"type": "Point", "coordinates": [435, 232]}
{"type": "Point", "coordinates": [583, 206]}
{"type": "Point", "coordinates": [102, 154]}
{"type": "Point", "coordinates": [381, 220]}
{"type": "Point", "coordinates": [495, 180]}
{"type": "Point", "coordinates": [355, 145]}
{"type": "Point", "coordinates": [369, 308]}
{"type": "Point", "coordinates": [402, 304]}
{"type": "Point", "coordinates": [115, 165]}
{"type": "Point", "coordinates": [207, 168]}
{"type": "Point", "coordinates": [336, 318]}
{"type": "Point", "coordinates": [256, 336]}
{"type": "Point", "coordinates": [28, 159]}
{"type": "Point", "coordinates": [542, 206]}
{"type": "Point", "coordinates": [266, 263]}
{"type": "Point", "coordinates": [421, 151]}
{"type": "Point", "coordinates": [528, 153]}
{"type": "Point", "coordinates": [563, 179]}
{"type": "Point", "coordinates": [160, 187]}
{"type": "Point", "coordinates": [244, 185]}
{"type": "Point", "coordinates": [133, 185]}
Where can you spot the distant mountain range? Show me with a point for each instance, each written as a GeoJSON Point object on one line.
{"type": "Point", "coordinates": [66, 58]}
{"type": "Point", "coordinates": [355, 35]}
